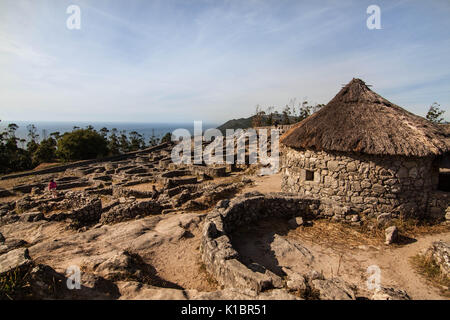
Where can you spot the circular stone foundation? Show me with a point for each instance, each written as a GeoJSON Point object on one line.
{"type": "Point", "coordinates": [218, 254]}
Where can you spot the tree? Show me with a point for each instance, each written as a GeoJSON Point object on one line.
{"type": "Point", "coordinates": [153, 141]}
{"type": "Point", "coordinates": [123, 142]}
{"type": "Point", "coordinates": [136, 141]}
{"type": "Point", "coordinates": [81, 144]}
{"type": "Point", "coordinates": [304, 110]}
{"type": "Point", "coordinates": [286, 115]}
{"type": "Point", "coordinates": [12, 158]}
{"type": "Point", "coordinates": [46, 152]}
{"type": "Point", "coordinates": [55, 135]}
{"type": "Point", "coordinates": [113, 143]}
{"type": "Point", "coordinates": [167, 137]}
{"type": "Point", "coordinates": [104, 132]}
{"type": "Point", "coordinates": [269, 120]}
{"type": "Point", "coordinates": [434, 113]}
{"type": "Point", "coordinates": [317, 107]}
{"type": "Point", "coordinates": [32, 145]}
{"type": "Point", "coordinates": [257, 120]}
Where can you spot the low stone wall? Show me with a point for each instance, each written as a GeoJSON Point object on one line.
{"type": "Point", "coordinates": [440, 253]}
{"type": "Point", "coordinates": [5, 193]}
{"type": "Point", "coordinates": [439, 205]}
{"type": "Point", "coordinates": [129, 211]}
{"type": "Point", "coordinates": [174, 173]}
{"type": "Point", "coordinates": [176, 190]}
{"type": "Point", "coordinates": [209, 171]}
{"type": "Point", "coordinates": [118, 192]}
{"type": "Point", "coordinates": [87, 214]}
{"type": "Point", "coordinates": [218, 255]}
{"type": "Point", "coordinates": [99, 191]}
{"type": "Point", "coordinates": [368, 184]}
{"type": "Point", "coordinates": [27, 203]}
{"type": "Point", "coordinates": [179, 181]}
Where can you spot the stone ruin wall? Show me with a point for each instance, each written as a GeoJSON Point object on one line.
{"type": "Point", "coordinates": [367, 184]}
{"type": "Point", "coordinates": [439, 205]}
{"type": "Point", "coordinates": [218, 254]}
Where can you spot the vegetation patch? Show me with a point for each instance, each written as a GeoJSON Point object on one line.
{"type": "Point", "coordinates": [14, 285]}
{"type": "Point", "coordinates": [428, 268]}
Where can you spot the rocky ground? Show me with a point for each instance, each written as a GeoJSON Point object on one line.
{"type": "Point", "coordinates": [134, 230]}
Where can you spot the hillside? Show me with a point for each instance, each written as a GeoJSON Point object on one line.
{"type": "Point", "coordinates": [244, 123]}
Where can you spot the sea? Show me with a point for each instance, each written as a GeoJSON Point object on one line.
{"type": "Point", "coordinates": [147, 130]}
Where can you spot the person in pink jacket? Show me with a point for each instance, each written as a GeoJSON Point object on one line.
{"type": "Point", "coordinates": [52, 187]}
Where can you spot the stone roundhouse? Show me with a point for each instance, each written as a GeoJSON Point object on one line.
{"type": "Point", "coordinates": [366, 153]}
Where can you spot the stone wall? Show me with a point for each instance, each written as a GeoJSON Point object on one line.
{"type": "Point", "coordinates": [218, 255]}
{"type": "Point", "coordinates": [129, 211]}
{"type": "Point", "coordinates": [439, 205]}
{"type": "Point", "coordinates": [118, 191]}
{"type": "Point", "coordinates": [87, 214]}
{"type": "Point", "coordinates": [210, 171]}
{"type": "Point", "coordinates": [367, 184]}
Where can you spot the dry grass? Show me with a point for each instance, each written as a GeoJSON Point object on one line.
{"type": "Point", "coordinates": [207, 276]}
{"type": "Point", "coordinates": [428, 268]}
{"type": "Point", "coordinates": [334, 235]}
{"type": "Point", "coordinates": [14, 285]}
{"type": "Point", "coordinates": [415, 227]}
{"type": "Point", "coordinates": [408, 228]}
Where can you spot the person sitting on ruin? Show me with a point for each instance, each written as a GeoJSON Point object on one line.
{"type": "Point", "coordinates": [155, 193]}
{"type": "Point", "coordinates": [52, 188]}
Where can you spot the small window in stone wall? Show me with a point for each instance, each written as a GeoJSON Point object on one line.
{"type": "Point", "coordinates": [444, 181]}
{"type": "Point", "coordinates": [309, 176]}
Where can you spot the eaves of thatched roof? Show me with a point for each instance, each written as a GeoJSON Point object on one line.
{"type": "Point", "coordinates": [359, 120]}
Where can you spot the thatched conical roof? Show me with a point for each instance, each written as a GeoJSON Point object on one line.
{"type": "Point", "coordinates": [359, 120]}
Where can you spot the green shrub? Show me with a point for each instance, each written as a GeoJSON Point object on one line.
{"type": "Point", "coordinates": [82, 144]}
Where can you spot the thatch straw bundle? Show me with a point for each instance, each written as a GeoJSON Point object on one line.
{"type": "Point", "coordinates": [359, 120]}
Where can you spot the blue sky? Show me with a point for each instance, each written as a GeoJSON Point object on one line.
{"type": "Point", "coordinates": [179, 61]}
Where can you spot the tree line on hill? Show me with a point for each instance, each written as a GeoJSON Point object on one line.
{"type": "Point", "coordinates": [79, 144]}
{"type": "Point", "coordinates": [296, 112]}
{"type": "Point", "coordinates": [292, 113]}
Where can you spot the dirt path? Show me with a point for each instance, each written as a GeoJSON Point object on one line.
{"type": "Point", "coordinates": [340, 251]}
{"type": "Point", "coordinates": [397, 270]}
{"type": "Point", "coordinates": [264, 184]}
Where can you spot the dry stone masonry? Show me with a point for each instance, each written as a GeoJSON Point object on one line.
{"type": "Point", "coordinates": [218, 254]}
{"type": "Point", "coordinates": [367, 184]}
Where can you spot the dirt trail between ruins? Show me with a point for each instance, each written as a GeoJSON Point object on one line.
{"type": "Point", "coordinates": [347, 257]}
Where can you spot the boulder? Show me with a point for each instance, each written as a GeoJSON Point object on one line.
{"type": "Point", "coordinates": [46, 283]}
{"type": "Point", "coordinates": [315, 275]}
{"type": "Point", "coordinates": [134, 290]}
{"type": "Point", "coordinates": [290, 253]}
{"type": "Point", "coordinates": [120, 266]}
{"type": "Point", "coordinates": [391, 234]}
{"type": "Point", "coordinates": [14, 259]}
{"type": "Point", "coordinates": [31, 216]}
{"type": "Point", "coordinates": [11, 244]}
{"type": "Point", "coordinates": [333, 289]}
{"type": "Point", "coordinates": [295, 281]}
{"type": "Point", "coordinates": [383, 293]}
{"type": "Point", "coordinates": [384, 218]}
{"type": "Point", "coordinates": [295, 222]}
{"type": "Point", "coordinates": [241, 294]}
{"type": "Point", "coordinates": [440, 253]}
